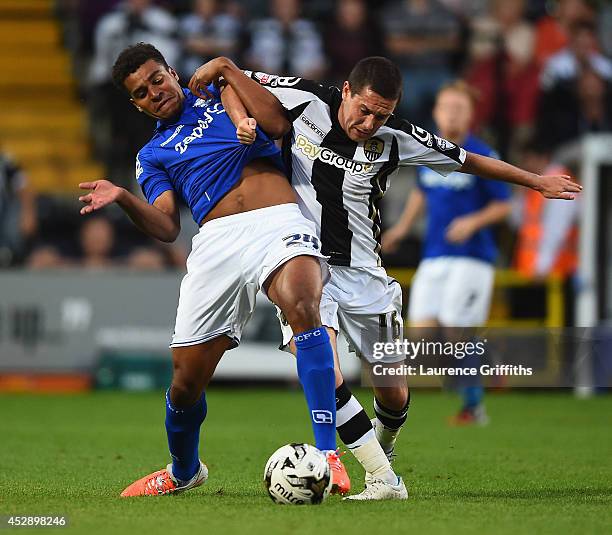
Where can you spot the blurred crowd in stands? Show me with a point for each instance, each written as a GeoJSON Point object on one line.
{"type": "Point", "coordinates": [542, 70]}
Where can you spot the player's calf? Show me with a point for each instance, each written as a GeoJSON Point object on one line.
{"type": "Point", "coordinates": [388, 423]}
{"type": "Point", "coordinates": [355, 430]}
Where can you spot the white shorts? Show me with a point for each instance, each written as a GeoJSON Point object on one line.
{"type": "Point", "coordinates": [230, 259]}
{"type": "Point", "coordinates": [366, 306]}
{"type": "Point", "coordinates": [455, 291]}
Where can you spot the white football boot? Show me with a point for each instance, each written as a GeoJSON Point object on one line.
{"type": "Point", "coordinates": [379, 490]}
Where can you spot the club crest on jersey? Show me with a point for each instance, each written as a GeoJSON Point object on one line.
{"type": "Point", "coordinates": [373, 148]}
{"type": "Point", "coordinates": [202, 103]}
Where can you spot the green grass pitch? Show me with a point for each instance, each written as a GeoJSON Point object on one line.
{"type": "Point", "coordinates": [543, 465]}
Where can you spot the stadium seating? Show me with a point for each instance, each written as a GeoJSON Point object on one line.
{"type": "Point", "coordinates": [43, 125]}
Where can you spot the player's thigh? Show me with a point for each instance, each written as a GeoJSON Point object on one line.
{"type": "Point", "coordinates": [372, 335]}
{"type": "Point", "coordinates": [291, 269]}
{"type": "Point", "coordinates": [374, 340]}
{"type": "Point", "coordinates": [297, 284]}
{"type": "Point", "coordinates": [216, 297]}
{"type": "Point", "coordinates": [467, 293]}
{"type": "Point", "coordinates": [426, 291]}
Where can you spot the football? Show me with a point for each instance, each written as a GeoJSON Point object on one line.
{"type": "Point", "coordinates": [298, 474]}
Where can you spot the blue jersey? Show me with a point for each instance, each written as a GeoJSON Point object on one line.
{"type": "Point", "coordinates": [198, 155]}
{"type": "Point", "coordinates": [456, 195]}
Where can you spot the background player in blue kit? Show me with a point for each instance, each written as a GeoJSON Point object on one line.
{"type": "Point", "coordinates": [454, 282]}
{"type": "Point", "coordinates": [252, 236]}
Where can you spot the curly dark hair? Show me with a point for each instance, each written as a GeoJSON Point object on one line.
{"type": "Point", "coordinates": [131, 59]}
{"type": "Point", "coordinates": [378, 73]}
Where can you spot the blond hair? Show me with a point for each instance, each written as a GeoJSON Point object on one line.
{"type": "Point", "coordinates": [461, 86]}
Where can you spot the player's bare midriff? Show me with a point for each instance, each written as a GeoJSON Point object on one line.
{"type": "Point", "coordinates": [261, 185]}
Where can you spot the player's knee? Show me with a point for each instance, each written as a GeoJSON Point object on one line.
{"type": "Point", "coordinates": [394, 398]}
{"type": "Point", "coordinates": [185, 391]}
{"type": "Point", "coordinates": [303, 314]}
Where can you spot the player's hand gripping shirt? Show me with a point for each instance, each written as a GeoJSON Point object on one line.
{"type": "Point", "coordinates": [198, 155]}
{"type": "Point", "coordinates": [457, 195]}
{"type": "Point", "coordinates": [339, 182]}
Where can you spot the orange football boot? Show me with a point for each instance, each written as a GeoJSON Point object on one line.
{"type": "Point", "coordinates": [470, 416]}
{"type": "Point", "coordinates": [341, 483]}
{"type": "Point", "coordinates": [163, 482]}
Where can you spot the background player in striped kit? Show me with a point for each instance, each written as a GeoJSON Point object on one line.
{"type": "Point", "coordinates": [342, 148]}
{"type": "Point", "coordinates": [454, 282]}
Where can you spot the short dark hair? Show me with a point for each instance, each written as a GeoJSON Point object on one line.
{"type": "Point", "coordinates": [131, 59]}
{"type": "Point", "coordinates": [379, 74]}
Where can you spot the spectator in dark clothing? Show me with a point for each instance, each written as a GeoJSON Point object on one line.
{"type": "Point", "coordinates": [119, 135]}
{"type": "Point", "coordinates": [352, 35]}
{"type": "Point", "coordinates": [18, 221]}
{"type": "Point", "coordinates": [583, 50]}
{"type": "Point", "coordinates": [285, 43]}
{"type": "Point", "coordinates": [207, 33]}
{"type": "Point", "coordinates": [577, 96]}
{"type": "Point", "coordinates": [422, 37]}
{"type": "Point", "coordinates": [506, 75]}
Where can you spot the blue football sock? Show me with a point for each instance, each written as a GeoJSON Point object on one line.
{"type": "Point", "coordinates": [471, 387]}
{"type": "Point", "coordinates": [472, 396]}
{"type": "Point", "coordinates": [183, 429]}
{"type": "Point", "coordinates": [315, 365]}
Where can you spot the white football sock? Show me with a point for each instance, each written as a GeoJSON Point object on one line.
{"type": "Point", "coordinates": [386, 437]}
{"type": "Point", "coordinates": [372, 457]}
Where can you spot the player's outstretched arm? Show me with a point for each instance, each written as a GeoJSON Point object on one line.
{"type": "Point", "coordinates": [551, 186]}
{"type": "Point", "coordinates": [160, 220]}
{"type": "Point", "coordinates": [259, 103]}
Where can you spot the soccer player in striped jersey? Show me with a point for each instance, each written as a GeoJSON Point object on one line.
{"type": "Point", "coordinates": [342, 147]}
{"type": "Point", "coordinates": [252, 237]}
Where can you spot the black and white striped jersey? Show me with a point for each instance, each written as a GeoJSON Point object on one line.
{"type": "Point", "coordinates": [340, 182]}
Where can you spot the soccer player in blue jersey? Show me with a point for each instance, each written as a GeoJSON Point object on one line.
{"type": "Point", "coordinates": [454, 281]}
{"type": "Point", "coordinates": [252, 237]}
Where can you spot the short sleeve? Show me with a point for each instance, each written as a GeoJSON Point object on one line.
{"type": "Point", "coordinates": [294, 93]}
{"type": "Point", "coordinates": [152, 178]}
{"type": "Point", "coordinates": [420, 147]}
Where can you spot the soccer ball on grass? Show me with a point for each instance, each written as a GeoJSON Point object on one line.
{"type": "Point", "coordinates": [298, 474]}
